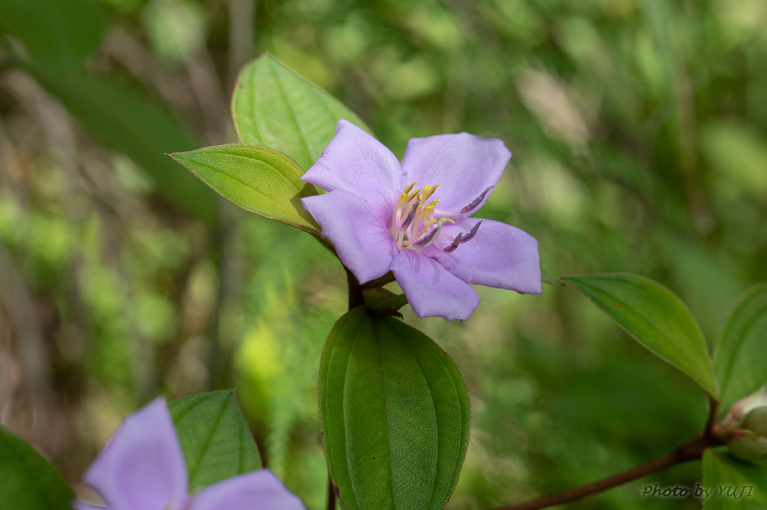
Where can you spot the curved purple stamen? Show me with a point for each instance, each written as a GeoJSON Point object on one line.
{"type": "Point", "coordinates": [461, 238]}
{"type": "Point", "coordinates": [428, 238]}
{"type": "Point", "coordinates": [452, 246]}
{"type": "Point", "coordinates": [409, 218]}
{"type": "Point", "coordinates": [472, 233]}
{"type": "Point", "coordinates": [474, 203]}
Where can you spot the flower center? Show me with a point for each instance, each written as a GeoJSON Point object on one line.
{"type": "Point", "coordinates": [414, 225]}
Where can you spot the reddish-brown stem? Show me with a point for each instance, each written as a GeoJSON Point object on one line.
{"type": "Point", "coordinates": [355, 291]}
{"type": "Point", "coordinates": [713, 406]}
{"type": "Point", "coordinates": [331, 494]}
{"type": "Point", "coordinates": [690, 451]}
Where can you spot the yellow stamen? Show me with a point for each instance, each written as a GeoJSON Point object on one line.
{"type": "Point", "coordinates": [423, 225]}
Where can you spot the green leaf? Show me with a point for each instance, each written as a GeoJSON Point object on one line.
{"type": "Point", "coordinates": [273, 106]}
{"type": "Point", "coordinates": [258, 179]}
{"type": "Point", "coordinates": [59, 35]}
{"type": "Point", "coordinates": [394, 413]}
{"type": "Point", "coordinates": [27, 480]}
{"type": "Point", "coordinates": [656, 318]}
{"type": "Point", "coordinates": [133, 124]}
{"type": "Point", "coordinates": [739, 362]}
{"type": "Point", "coordinates": [215, 439]}
{"type": "Point", "coordinates": [732, 484]}
{"type": "Point", "coordinates": [382, 301]}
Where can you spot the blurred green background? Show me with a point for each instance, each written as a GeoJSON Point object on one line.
{"type": "Point", "coordinates": [639, 133]}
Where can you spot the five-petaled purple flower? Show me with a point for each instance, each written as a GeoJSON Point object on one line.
{"type": "Point", "coordinates": [142, 468]}
{"type": "Point", "coordinates": [414, 219]}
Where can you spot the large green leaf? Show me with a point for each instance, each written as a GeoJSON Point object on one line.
{"type": "Point", "coordinates": [215, 439]}
{"type": "Point", "coordinates": [57, 34]}
{"type": "Point", "coordinates": [273, 106]}
{"type": "Point", "coordinates": [258, 179]}
{"type": "Point", "coordinates": [132, 123]}
{"type": "Point", "coordinates": [740, 362]}
{"type": "Point", "coordinates": [655, 317]}
{"type": "Point", "coordinates": [731, 484]}
{"type": "Point", "coordinates": [394, 413]}
{"type": "Point", "coordinates": [27, 480]}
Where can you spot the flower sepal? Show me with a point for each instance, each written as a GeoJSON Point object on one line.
{"type": "Point", "coordinates": [383, 302]}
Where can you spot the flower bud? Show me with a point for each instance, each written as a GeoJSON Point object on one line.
{"type": "Point", "coordinates": [736, 415]}
{"type": "Point", "coordinates": [749, 441]}
{"type": "Point", "coordinates": [756, 421]}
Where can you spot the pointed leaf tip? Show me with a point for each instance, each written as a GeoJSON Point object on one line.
{"type": "Point", "coordinates": [739, 362]}
{"type": "Point", "coordinates": [214, 437]}
{"type": "Point", "coordinates": [274, 106]}
{"type": "Point", "coordinates": [29, 482]}
{"type": "Point", "coordinates": [258, 179]}
{"type": "Point", "coordinates": [656, 318]}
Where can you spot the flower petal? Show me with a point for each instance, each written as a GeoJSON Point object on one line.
{"type": "Point", "coordinates": [260, 490]}
{"type": "Point", "coordinates": [355, 161]}
{"type": "Point", "coordinates": [431, 290]}
{"type": "Point", "coordinates": [358, 232]}
{"type": "Point", "coordinates": [82, 505]}
{"type": "Point", "coordinates": [142, 467]}
{"type": "Point", "coordinates": [463, 165]}
{"type": "Point", "coordinates": [499, 255]}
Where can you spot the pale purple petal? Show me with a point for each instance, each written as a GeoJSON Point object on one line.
{"type": "Point", "coordinates": [142, 467]}
{"type": "Point", "coordinates": [431, 290]}
{"type": "Point", "coordinates": [463, 165]}
{"type": "Point", "coordinates": [499, 255]}
{"type": "Point", "coordinates": [82, 505]}
{"type": "Point", "coordinates": [359, 233]}
{"type": "Point", "coordinates": [355, 161]}
{"type": "Point", "coordinates": [260, 490]}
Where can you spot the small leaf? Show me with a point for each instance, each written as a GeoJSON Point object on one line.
{"type": "Point", "coordinates": [656, 318]}
{"type": "Point", "coordinates": [274, 106]}
{"type": "Point", "coordinates": [258, 179]}
{"type": "Point", "coordinates": [382, 301]}
{"type": "Point", "coordinates": [740, 363]}
{"type": "Point", "coordinates": [394, 413]}
{"type": "Point", "coordinates": [731, 484]}
{"type": "Point", "coordinates": [214, 437]}
{"type": "Point", "coordinates": [27, 480]}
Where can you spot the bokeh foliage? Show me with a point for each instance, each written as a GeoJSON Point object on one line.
{"type": "Point", "coordinates": [638, 131]}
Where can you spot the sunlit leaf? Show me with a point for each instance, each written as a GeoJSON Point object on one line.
{"type": "Point", "coordinates": [394, 412]}
{"type": "Point", "coordinates": [273, 106]}
{"type": "Point", "coordinates": [215, 439]}
{"type": "Point", "coordinates": [740, 362]}
{"type": "Point", "coordinates": [731, 484]}
{"type": "Point", "coordinates": [655, 317]}
{"type": "Point", "coordinates": [258, 179]}
{"type": "Point", "coordinates": [27, 480]}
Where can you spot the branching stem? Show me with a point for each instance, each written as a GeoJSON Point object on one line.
{"type": "Point", "coordinates": [693, 450]}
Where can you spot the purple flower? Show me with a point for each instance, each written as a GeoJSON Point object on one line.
{"type": "Point", "coordinates": [142, 468]}
{"type": "Point", "coordinates": [414, 219]}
